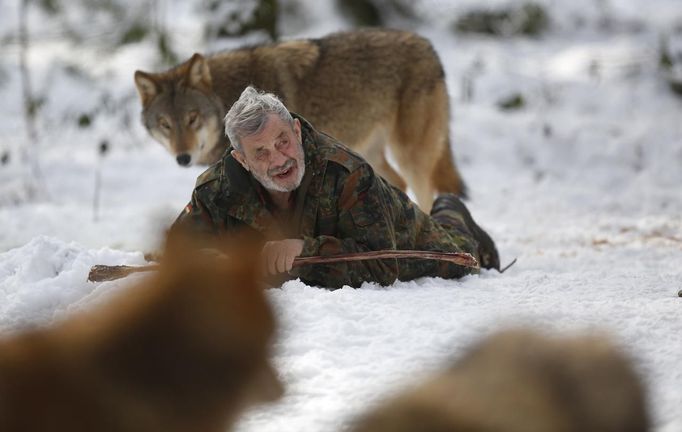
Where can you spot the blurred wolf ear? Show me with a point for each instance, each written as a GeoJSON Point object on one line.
{"type": "Point", "coordinates": [146, 86]}
{"type": "Point", "coordinates": [199, 74]}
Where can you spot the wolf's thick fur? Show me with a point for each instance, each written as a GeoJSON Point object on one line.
{"type": "Point", "coordinates": [369, 89]}
{"type": "Point", "coordinates": [185, 350]}
{"type": "Point", "coordinates": [519, 381]}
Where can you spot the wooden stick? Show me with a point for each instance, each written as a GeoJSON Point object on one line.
{"type": "Point", "coordinates": [101, 273]}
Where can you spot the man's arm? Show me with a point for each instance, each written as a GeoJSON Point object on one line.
{"type": "Point", "coordinates": [365, 223]}
{"type": "Point", "coordinates": [195, 218]}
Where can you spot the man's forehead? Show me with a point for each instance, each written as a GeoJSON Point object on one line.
{"type": "Point", "coordinates": [273, 129]}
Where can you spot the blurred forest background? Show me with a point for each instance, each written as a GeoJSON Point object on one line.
{"type": "Point", "coordinates": [92, 47]}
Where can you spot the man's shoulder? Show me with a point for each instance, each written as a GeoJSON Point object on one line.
{"type": "Point", "coordinates": [329, 149]}
{"type": "Point", "coordinates": [211, 175]}
{"type": "Point", "coordinates": [338, 154]}
{"type": "Point", "coordinates": [225, 181]}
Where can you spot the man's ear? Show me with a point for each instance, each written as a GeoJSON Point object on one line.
{"type": "Point", "coordinates": [239, 156]}
{"type": "Point", "coordinates": [297, 128]}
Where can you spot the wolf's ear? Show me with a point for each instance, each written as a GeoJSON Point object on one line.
{"type": "Point", "coordinates": [199, 75]}
{"type": "Point", "coordinates": [146, 86]}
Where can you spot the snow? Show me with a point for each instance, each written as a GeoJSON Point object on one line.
{"type": "Point", "coordinates": [582, 185]}
{"type": "Point", "coordinates": [43, 280]}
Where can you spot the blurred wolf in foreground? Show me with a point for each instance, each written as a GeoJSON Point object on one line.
{"type": "Point", "coordinates": [185, 350]}
{"type": "Point", "coordinates": [519, 381]}
{"type": "Point", "coordinates": [369, 89]}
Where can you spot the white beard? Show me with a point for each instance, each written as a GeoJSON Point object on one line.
{"type": "Point", "coordinates": [269, 184]}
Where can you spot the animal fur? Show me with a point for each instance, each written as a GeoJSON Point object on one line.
{"type": "Point", "coordinates": [185, 350]}
{"type": "Point", "coordinates": [519, 381]}
{"type": "Point", "coordinates": [370, 89]}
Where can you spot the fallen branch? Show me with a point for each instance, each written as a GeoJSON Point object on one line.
{"type": "Point", "coordinates": [101, 273]}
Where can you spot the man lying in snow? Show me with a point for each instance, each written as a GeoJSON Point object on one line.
{"type": "Point", "coordinates": [306, 194]}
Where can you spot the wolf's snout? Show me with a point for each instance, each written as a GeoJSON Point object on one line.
{"type": "Point", "coordinates": [183, 159]}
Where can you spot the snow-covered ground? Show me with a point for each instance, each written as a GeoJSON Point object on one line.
{"type": "Point", "coordinates": [583, 185]}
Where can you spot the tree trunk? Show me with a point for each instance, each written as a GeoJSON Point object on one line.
{"type": "Point", "coordinates": [33, 180]}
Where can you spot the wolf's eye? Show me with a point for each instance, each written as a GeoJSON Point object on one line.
{"type": "Point", "coordinates": [193, 118]}
{"type": "Point", "coordinates": [164, 124]}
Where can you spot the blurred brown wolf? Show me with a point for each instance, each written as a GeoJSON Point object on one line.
{"type": "Point", "coordinates": [519, 381]}
{"type": "Point", "coordinates": [185, 350]}
{"type": "Point", "coordinates": [370, 89]}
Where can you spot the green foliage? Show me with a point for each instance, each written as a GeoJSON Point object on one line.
{"type": "Point", "coordinates": [84, 121]}
{"type": "Point", "coordinates": [536, 20]}
{"type": "Point", "coordinates": [52, 7]}
{"type": "Point", "coordinates": [511, 103]}
{"type": "Point", "coordinates": [665, 61]}
{"type": "Point", "coordinates": [362, 13]}
{"type": "Point", "coordinates": [265, 17]}
{"type": "Point", "coordinates": [118, 22]}
{"type": "Point", "coordinates": [530, 20]}
{"type": "Point", "coordinates": [114, 7]}
{"type": "Point", "coordinates": [676, 87]}
{"type": "Point", "coordinates": [376, 13]}
{"type": "Point", "coordinates": [136, 32]}
{"type": "Point", "coordinates": [402, 8]}
{"type": "Point", "coordinates": [168, 56]}
{"type": "Point", "coordinates": [234, 19]}
{"type": "Point", "coordinates": [34, 105]}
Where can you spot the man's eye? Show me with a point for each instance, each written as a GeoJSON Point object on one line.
{"type": "Point", "coordinates": [283, 144]}
{"type": "Point", "coordinates": [261, 155]}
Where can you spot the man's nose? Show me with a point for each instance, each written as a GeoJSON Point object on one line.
{"type": "Point", "coordinates": [278, 158]}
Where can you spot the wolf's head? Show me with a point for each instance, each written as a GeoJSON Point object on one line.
{"type": "Point", "coordinates": [181, 111]}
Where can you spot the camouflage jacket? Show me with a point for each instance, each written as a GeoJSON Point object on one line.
{"type": "Point", "coordinates": [341, 206]}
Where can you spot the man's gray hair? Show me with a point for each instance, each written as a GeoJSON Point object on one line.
{"type": "Point", "coordinates": [249, 114]}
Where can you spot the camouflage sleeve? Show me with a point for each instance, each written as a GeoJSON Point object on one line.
{"type": "Point", "coordinates": [364, 224]}
{"type": "Point", "coordinates": [195, 218]}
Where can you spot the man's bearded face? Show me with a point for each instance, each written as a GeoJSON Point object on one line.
{"type": "Point", "coordinates": [275, 156]}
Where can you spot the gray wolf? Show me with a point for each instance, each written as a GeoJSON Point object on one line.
{"type": "Point", "coordinates": [184, 350]}
{"type": "Point", "coordinates": [371, 89]}
{"type": "Point", "coordinates": [521, 381]}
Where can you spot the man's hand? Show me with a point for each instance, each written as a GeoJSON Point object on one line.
{"type": "Point", "coordinates": [278, 256]}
